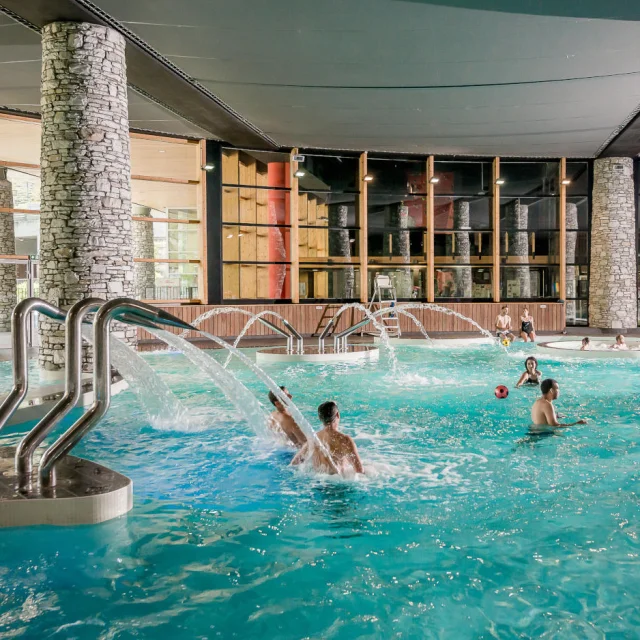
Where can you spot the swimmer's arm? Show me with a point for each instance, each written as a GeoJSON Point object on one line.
{"type": "Point", "coordinates": [300, 456]}
{"type": "Point", "coordinates": [523, 379]}
{"type": "Point", "coordinates": [355, 458]}
{"type": "Point", "coordinates": [552, 420]}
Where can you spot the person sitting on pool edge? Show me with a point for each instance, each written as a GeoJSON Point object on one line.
{"type": "Point", "coordinates": [282, 421]}
{"type": "Point", "coordinates": [342, 448]}
{"type": "Point", "coordinates": [503, 325]}
{"type": "Point", "coordinates": [543, 413]}
{"type": "Point", "coordinates": [586, 344]}
{"type": "Point", "coordinates": [531, 374]}
{"type": "Point", "coordinates": [527, 328]}
{"type": "Point", "coordinates": [620, 344]}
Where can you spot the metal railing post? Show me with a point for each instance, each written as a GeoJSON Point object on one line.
{"type": "Point", "coordinates": [19, 335]}
{"type": "Point", "coordinates": [123, 309]}
{"type": "Point", "coordinates": [72, 391]}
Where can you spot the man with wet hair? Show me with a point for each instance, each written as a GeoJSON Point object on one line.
{"type": "Point", "coordinates": [543, 413]}
{"type": "Point", "coordinates": [281, 421]}
{"type": "Point", "coordinates": [342, 448]}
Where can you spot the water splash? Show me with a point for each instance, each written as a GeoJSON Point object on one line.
{"type": "Point", "coordinates": [429, 306]}
{"type": "Point", "coordinates": [296, 414]}
{"type": "Point", "coordinates": [401, 310]}
{"type": "Point", "coordinates": [158, 401]}
{"type": "Point", "coordinates": [384, 336]}
{"type": "Point", "coordinates": [247, 326]}
{"type": "Point", "coordinates": [239, 396]}
{"type": "Point", "coordinates": [226, 310]}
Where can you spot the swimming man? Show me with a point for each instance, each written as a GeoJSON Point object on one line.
{"type": "Point", "coordinates": [342, 448]}
{"type": "Point", "coordinates": [503, 325]}
{"type": "Point", "coordinates": [282, 421]}
{"type": "Point", "coordinates": [543, 413]}
{"type": "Point", "coordinates": [620, 344]}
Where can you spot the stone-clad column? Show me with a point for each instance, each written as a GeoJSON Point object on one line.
{"type": "Point", "coordinates": [401, 247]}
{"type": "Point", "coordinates": [462, 275]}
{"type": "Point", "coordinates": [85, 219]}
{"type": "Point", "coordinates": [572, 238]}
{"type": "Point", "coordinates": [143, 247]}
{"type": "Point", "coordinates": [517, 221]}
{"type": "Point", "coordinates": [612, 275]}
{"type": "Point", "coordinates": [339, 245]}
{"type": "Point", "coordinates": [8, 296]}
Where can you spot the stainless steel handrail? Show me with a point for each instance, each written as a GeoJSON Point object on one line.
{"type": "Point", "coordinates": [280, 331]}
{"type": "Point", "coordinates": [123, 309]}
{"type": "Point", "coordinates": [19, 319]}
{"type": "Point", "coordinates": [343, 335]}
{"type": "Point", "coordinates": [72, 390]}
{"type": "Point", "coordinates": [295, 334]}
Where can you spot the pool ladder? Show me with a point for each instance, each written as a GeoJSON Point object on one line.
{"type": "Point", "coordinates": [124, 310]}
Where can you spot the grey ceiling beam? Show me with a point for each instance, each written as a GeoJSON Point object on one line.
{"type": "Point", "coordinates": [625, 143]}
{"type": "Point", "coordinates": [149, 73]}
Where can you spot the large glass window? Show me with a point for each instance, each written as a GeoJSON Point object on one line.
{"type": "Point", "coordinates": [463, 236]}
{"type": "Point", "coordinates": [529, 230]}
{"type": "Point", "coordinates": [165, 188]}
{"type": "Point", "coordinates": [255, 225]}
{"type": "Point", "coordinates": [397, 214]}
{"type": "Point", "coordinates": [167, 242]}
{"type": "Point", "coordinates": [328, 233]}
{"type": "Point", "coordinates": [577, 247]}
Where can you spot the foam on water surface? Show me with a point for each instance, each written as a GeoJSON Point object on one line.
{"type": "Point", "coordinates": [464, 526]}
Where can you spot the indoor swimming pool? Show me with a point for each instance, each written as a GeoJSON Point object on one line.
{"type": "Point", "coordinates": [464, 526]}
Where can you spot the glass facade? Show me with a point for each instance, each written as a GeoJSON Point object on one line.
{"type": "Point", "coordinates": [255, 225]}
{"type": "Point", "coordinates": [463, 231]}
{"type": "Point", "coordinates": [328, 229]}
{"type": "Point", "coordinates": [396, 222]}
{"type": "Point", "coordinates": [419, 225]}
{"type": "Point", "coordinates": [578, 227]}
{"type": "Point", "coordinates": [529, 231]}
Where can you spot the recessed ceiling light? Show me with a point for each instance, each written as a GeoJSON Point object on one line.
{"type": "Point", "coordinates": [352, 240]}
{"type": "Point", "coordinates": [209, 167]}
{"type": "Point", "coordinates": [230, 236]}
{"type": "Point", "coordinates": [161, 151]}
{"type": "Point", "coordinates": [566, 181]}
{"type": "Point", "coordinates": [368, 178]}
{"type": "Point", "coordinates": [299, 173]}
{"type": "Point", "coordinates": [434, 180]}
{"type": "Point", "coordinates": [240, 235]}
{"type": "Point", "coordinates": [500, 181]}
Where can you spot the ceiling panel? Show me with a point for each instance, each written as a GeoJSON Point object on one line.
{"type": "Point", "coordinates": [534, 77]}
{"type": "Point", "coordinates": [20, 63]}
{"type": "Point", "coordinates": [406, 76]}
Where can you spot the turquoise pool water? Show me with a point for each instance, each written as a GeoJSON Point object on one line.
{"type": "Point", "coordinates": [464, 527]}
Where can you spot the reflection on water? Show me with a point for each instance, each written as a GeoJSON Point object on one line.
{"type": "Point", "coordinates": [466, 525]}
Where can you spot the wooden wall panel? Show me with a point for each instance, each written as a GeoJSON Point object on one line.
{"type": "Point", "coordinates": [549, 317]}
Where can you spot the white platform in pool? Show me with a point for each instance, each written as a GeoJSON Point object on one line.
{"type": "Point", "coordinates": [354, 353]}
{"type": "Point", "coordinates": [600, 348]}
{"type": "Point", "coordinates": [85, 493]}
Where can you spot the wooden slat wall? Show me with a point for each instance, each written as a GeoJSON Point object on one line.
{"type": "Point", "coordinates": [305, 318]}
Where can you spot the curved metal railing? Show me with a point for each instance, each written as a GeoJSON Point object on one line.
{"type": "Point", "coordinates": [122, 309]}
{"type": "Point", "coordinates": [19, 320]}
{"type": "Point", "coordinates": [125, 310]}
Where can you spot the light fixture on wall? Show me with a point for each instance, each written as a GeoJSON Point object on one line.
{"type": "Point", "coordinates": [300, 173]}
{"type": "Point", "coordinates": [368, 178]}
{"type": "Point", "coordinates": [434, 180]}
{"type": "Point", "coordinates": [566, 181]}
{"type": "Point", "coordinates": [209, 167]}
{"type": "Point", "coordinates": [500, 181]}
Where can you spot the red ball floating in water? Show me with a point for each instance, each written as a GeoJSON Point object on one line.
{"type": "Point", "coordinates": [501, 391]}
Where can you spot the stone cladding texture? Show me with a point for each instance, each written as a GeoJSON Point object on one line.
{"type": "Point", "coordinates": [85, 221]}
{"type": "Point", "coordinates": [8, 296]}
{"type": "Point", "coordinates": [612, 275]}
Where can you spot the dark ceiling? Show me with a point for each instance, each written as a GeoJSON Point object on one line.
{"type": "Point", "coordinates": [471, 77]}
